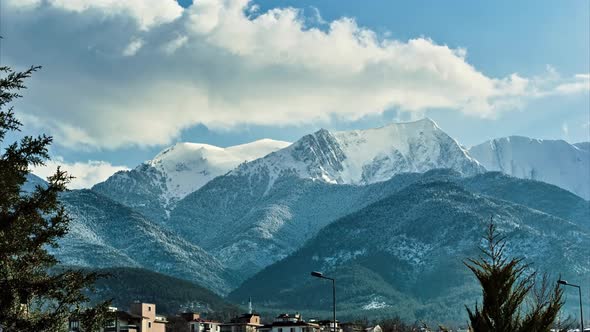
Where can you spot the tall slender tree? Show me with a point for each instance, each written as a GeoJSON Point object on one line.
{"type": "Point", "coordinates": [34, 296]}
{"type": "Point", "coordinates": [506, 285]}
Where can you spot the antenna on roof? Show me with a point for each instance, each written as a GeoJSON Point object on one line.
{"type": "Point", "coordinates": [250, 305]}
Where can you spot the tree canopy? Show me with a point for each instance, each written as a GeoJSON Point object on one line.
{"type": "Point", "coordinates": [34, 295]}
{"type": "Point", "coordinates": [506, 285]}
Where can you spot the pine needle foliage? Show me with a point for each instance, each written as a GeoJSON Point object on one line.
{"type": "Point", "coordinates": [513, 300]}
{"type": "Point", "coordinates": [34, 295]}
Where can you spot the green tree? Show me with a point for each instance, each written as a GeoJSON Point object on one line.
{"type": "Point", "coordinates": [506, 285]}
{"type": "Point", "coordinates": [34, 295]}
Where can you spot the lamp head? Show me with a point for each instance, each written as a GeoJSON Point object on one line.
{"type": "Point", "coordinates": [317, 274]}
{"type": "Point", "coordinates": [562, 282]}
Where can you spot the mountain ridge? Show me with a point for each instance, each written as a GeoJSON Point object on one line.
{"type": "Point", "coordinates": [553, 161]}
{"type": "Point", "coordinates": [154, 187]}
{"type": "Point", "coordinates": [104, 233]}
{"type": "Point", "coordinates": [365, 156]}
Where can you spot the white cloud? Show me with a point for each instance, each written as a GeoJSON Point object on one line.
{"type": "Point", "coordinates": [552, 83]}
{"type": "Point", "coordinates": [227, 63]}
{"type": "Point", "coordinates": [133, 47]}
{"type": "Point", "coordinates": [176, 43]}
{"type": "Point", "coordinates": [147, 13]}
{"type": "Point", "coordinates": [579, 83]}
{"type": "Point", "coordinates": [86, 174]}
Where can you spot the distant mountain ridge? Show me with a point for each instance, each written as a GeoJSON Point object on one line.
{"type": "Point", "coordinates": [367, 156]}
{"type": "Point", "coordinates": [156, 185]}
{"type": "Point", "coordinates": [32, 182]}
{"type": "Point", "coordinates": [552, 161]}
{"type": "Point", "coordinates": [189, 166]}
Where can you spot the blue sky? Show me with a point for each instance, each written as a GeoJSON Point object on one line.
{"type": "Point", "coordinates": [136, 74]}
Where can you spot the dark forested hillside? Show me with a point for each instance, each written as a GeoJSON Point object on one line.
{"type": "Point", "coordinates": [538, 195]}
{"type": "Point", "coordinates": [403, 255]}
{"type": "Point", "coordinates": [171, 295]}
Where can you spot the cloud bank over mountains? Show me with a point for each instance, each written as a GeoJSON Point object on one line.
{"type": "Point", "coordinates": [86, 174]}
{"type": "Point", "coordinates": [137, 73]}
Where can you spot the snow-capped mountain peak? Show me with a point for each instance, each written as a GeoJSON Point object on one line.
{"type": "Point", "coordinates": [189, 166]}
{"type": "Point", "coordinates": [377, 154]}
{"type": "Point", "coordinates": [156, 185]}
{"type": "Point", "coordinates": [553, 161]}
{"type": "Point", "coordinates": [367, 156]}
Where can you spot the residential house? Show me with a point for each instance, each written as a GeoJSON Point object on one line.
{"type": "Point", "coordinates": [198, 324]}
{"type": "Point", "coordinates": [123, 321]}
{"type": "Point", "coordinates": [141, 317]}
{"type": "Point", "coordinates": [290, 323]}
{"type": "Point", "coordinates": [249, 322]}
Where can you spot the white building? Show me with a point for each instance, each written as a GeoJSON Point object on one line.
{"type": "Point", "coordinates": [287, 323]}
{"type": "Point", "coordinates": [198, 324]}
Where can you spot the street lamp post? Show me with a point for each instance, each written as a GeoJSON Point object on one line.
{"type": "Point", "coordinates": [565, 283]}
{"type": "Point", "coordinates": [321, 275]}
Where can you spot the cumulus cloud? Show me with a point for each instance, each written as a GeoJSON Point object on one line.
{"type": "Point", "coordinates": [226, 63]}
{"type": "Point", "coordinates": [146, 13]}
{"type": "Point", "coordinates": [86, 174]}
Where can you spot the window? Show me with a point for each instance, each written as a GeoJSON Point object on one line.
{"type": "Point", "coordinates": [149, 308]}
{"type": "Point", "coordinates": [292, 329]}
{"type": "Point", "coordinates": [280, 329]}
{"type": "Point", "coordinates": [150, 325]}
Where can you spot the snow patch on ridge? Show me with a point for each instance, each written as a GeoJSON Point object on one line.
{"type": "Point", "coordinates": [375, 304]}
{"type": "Point", "coordinates": [189, 166]}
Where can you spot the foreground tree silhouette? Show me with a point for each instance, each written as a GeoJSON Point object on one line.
{"type": "Point", "coordinates": [506, 285]}
{"type": "Point", "coordinates": [34, 296]}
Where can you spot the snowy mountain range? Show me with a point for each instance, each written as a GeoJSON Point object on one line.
{"type": "Point", "coordinates": [357, 157]}
{"type": "Point", "coordinates": [219, 216]}
{"type": "Point", "coordinates": [363, 157]}
{"type": "Point", "coordinates": [272, 203]}
{"type": "Point", "coordinates": [552, 161]}
{"type": "Point", "coordinates": [261, 210]}
{"type": "Point", "coordinates": [156, 185]}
